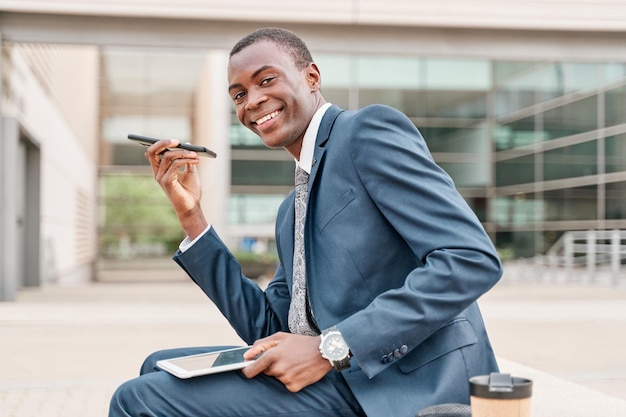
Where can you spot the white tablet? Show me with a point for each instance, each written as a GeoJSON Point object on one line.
{"type": "Point", "coordinates": [205, 363]}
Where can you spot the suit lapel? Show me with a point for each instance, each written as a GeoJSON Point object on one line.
{"type": "Point", "coordinates": [323, 135]}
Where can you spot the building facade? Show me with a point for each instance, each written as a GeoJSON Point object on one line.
{"type": "Point", "coordinates": [525, 107]}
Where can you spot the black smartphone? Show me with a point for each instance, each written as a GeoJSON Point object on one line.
{"type": "Point", "coordinates": [146, 141]}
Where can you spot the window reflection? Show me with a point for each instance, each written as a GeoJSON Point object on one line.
{"type": "Point", "coordinates": [570, 119]}
{"type": "Point", "coordinates": [519, 170]}
{"type": "Point", "coordinates": [383, 72]}
{"type": "Point", "coordinates": [615, 153]}
{"type": "Point", "coordinates": [571, 161]}
{"type": "Point", "coordinates": [253, 208]}
{"type": "Point", "coordinates": [523, 125]}
{"type": "Point", "coordinates": [515, 134]}
{"type": "Point", "coordinates": [520, 209]}
{"type": "Point", "coordinates": [615, 106]}
{"type": "Point", "coordinates": [262, 173]}
{"type": "Point", "coordinates": [615, 201]}
{"type": "Point", "coordinates": [576, 203]}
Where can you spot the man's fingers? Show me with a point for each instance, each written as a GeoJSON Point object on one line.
{"type": "Point", "coordinates": [154, 153]}
{"type": "Point", "coordinates": [170, 162]}
{"type": "Point", "coordinates": [161, 146]}
{"type": "Point", "coordinates": [263, 356]}
{"type": "Point", "coordinates": [259, 347]}
{"type": "Point", "coordinates": [261, 364]}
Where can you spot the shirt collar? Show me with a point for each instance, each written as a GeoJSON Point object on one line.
{"type": "Point", "coordinates": [308, 143]}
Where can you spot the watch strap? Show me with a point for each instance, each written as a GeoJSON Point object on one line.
{"type": "Point", "coordinates": [342, 364]}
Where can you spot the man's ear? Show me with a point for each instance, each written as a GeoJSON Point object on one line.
{"type": "Point", "coordinates": [313, 77]}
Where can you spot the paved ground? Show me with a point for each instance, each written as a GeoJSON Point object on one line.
{"type": "Point", "coordinates": [63, 350]}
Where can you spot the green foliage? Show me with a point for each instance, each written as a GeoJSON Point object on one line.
{"type": "Point", "coordinates": [506, 253]}
{"type": "Point", "coordinates": [135, 207]}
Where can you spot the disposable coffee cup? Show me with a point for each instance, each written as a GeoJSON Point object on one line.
{"type": "Point", "coordinates": [500, 395]}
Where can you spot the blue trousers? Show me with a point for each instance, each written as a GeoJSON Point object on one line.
{"type": "Point", "coordinates": [156, 393]}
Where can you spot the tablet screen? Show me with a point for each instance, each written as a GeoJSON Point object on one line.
{"type": "Point", "coordinates": [210, 360]}
{"type": "Point", "coordinates": [206, 363]}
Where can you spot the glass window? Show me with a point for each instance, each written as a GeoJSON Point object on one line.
{"type": "Point", "coordinates": [504, 71]}
{"type": "Point", "coordinates": [518, 91]}
{"type": "Point", "coordinates": [337, 96]}
{"type": "Point", "coordinates": [253, 208]}
{"type": "Point", "coordinates": [517, 210]}
{"type": "Point", "coordinates": [520, 170]}
{"type": "Point", "coordinates": [388, 72]}
{"type": "Point", "coordinates": [577, 203]}
{"type": "Point", "coordinates": [615, 201]}
{"type": "Point", "coordinates": [614, 71]}
{"type": "Point", "coordinates": [615, 106]}
{"type": "Point", "coordinates": [140, 94]}
{"type": "Point", "coordinates": [241, 136]}
{"type": "Point", "coordinates": [262, 172]}
{"type": "Point", "coordinates": [615, 153]}
{"type": "Point", "coordinates": [478, 206]}
{"type": "Point", "coordinates": [335, 70]}
{"type": "Point", "coordinates": [573, 118]}
{"type": "Point", "coordinates": [515, 134]}
{"type": "Point", "coordinates": [549, 82]}
{"type": "Point", "coordinates": [388, 80]}
{"type": "Point", "coordinates": [515, 244]}
{"type": "Point", "coordinates": [404, 100]}
{"type": "Point", "coordinates": [456, 139]}
{"type": "Point", "coordinates": [510, 98]}
{"type": "Point", "coordinates": [569, 77]}
{"type": "Point", "coordinates": [457, 74]}
{"type": "Point", "coordinates": [571, 161]}
{"type": "Point", "coordinates": [451, 104]}
{"type": "Point", "coordinates": [549, 238]}
{"type": "Point", "coordinates": [115, 128]}
{"type": "Point", "coordinates": [129, 154]}
{"type": "Point", "coordinates": [542, 83]}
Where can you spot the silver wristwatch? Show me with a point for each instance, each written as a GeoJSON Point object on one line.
{"type": "Point", "coordinates": [334, 348]}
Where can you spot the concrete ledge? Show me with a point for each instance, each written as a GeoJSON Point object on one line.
{"type": "Point", "coordinates": [556, 397]}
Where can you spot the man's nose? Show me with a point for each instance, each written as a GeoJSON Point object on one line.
{"type": "Point", "coordinates": [255, 98]}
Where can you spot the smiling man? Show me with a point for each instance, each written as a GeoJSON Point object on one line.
{"type": "Point", "coordinates": [372, 310]}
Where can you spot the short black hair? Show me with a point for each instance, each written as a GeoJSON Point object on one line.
{"type": "Point", "coordinates": [285, 39]}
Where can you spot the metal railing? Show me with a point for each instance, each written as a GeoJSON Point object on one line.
{"type": "Point", "coordinates": [597, 252]}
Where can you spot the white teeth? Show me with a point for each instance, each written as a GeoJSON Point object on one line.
{"type": "Point", "coordinates": [268, 117]}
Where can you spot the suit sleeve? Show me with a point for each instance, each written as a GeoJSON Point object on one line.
{"type": "Point", "coordinates": [456, 260]}
{"type": "Point", "coordinates": [253, 313]}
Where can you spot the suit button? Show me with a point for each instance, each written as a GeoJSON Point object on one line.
{"type": "Point", "coordinates": [397, 354]}
{"type": "Point", "coordinates": [390, 357]}
{"type": "Point", "coordinates": [384, 359]}
{"type": "Point", "coordinates": [404, 349]}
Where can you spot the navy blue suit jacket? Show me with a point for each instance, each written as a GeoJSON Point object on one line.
{"type": "Point", "coordinates": [395, 258]}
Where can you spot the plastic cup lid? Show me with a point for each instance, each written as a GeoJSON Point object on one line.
{"type": "Point", "coordinates": [500, 386]}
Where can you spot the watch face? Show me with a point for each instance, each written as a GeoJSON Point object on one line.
{"type": "Point", "coordinates": [334, 347]}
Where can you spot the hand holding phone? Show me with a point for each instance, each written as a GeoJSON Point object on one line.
{"type": "Point", "coordinates": [147, 141]}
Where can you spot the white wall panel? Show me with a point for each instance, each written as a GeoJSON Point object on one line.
{"type": "Point", "coordinates": [68, 173]}
{"type": "Point", "coordinates": [601, 15]}
{"type": "Point", "coordinates": [604, 15]}
{"type": "Point", "coordinates": [273, 10]}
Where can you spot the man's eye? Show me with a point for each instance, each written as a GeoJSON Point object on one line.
{"type": "Point", "coordinates": [267, 80]}
{"type": "Point", "coordinates": [239, 96]}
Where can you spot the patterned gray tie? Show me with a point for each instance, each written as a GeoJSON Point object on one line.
{"type": "Point", "coordinates": [298, 318]}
